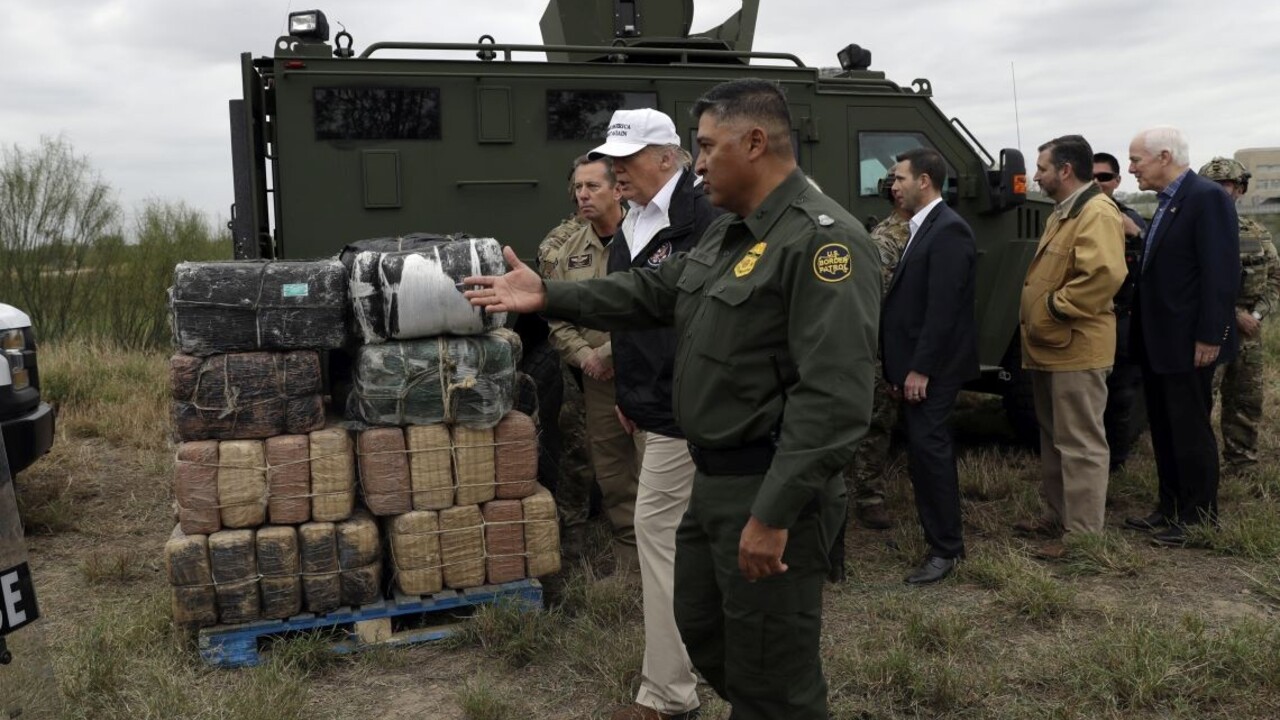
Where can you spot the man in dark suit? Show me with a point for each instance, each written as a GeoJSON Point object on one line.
{"type": "Point", "coordinates": [1183, 325]}
{"type": "Point", "coordinates": [929, 348]}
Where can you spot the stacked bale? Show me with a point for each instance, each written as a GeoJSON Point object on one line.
{"type": "Point", "coordinates": [270, 522]}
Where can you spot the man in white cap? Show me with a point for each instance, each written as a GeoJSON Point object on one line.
{"type": "Point", "coordinates": [668, 215]}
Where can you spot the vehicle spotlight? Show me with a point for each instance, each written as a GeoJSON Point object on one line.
{"type": "Point", "coordinates": [309, 25]}
{"type": "Point", "coordinates": [854, 57]}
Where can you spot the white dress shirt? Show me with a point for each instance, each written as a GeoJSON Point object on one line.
{"type": "Point", "coordinates": [917, 220]}
{"type": "Point", "coordinates": [645, 221]}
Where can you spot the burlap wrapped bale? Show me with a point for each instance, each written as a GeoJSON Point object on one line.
{"type": "Point", "coordinates": [504, 541]}
{"type": "Point", "coordinates": [245, 396]}
{"type": "Point", "coordinates": [280, 569]}
{"type": "Point", "coordinates": [318, 549]}
{"type": "Point", "coordinates": [473, 465]}
{"type": "Point", "coordinates": [415, 552]}
{"type": "Point", "coordinates": [462, 546]}
{"type": "Point", "coordinates": [430, 466]}
{"type": "Point", "coordinates": [333, 474]}
{"type": "Point", "coordinates": [229, 306]}
{"type": "Point", "coordinates": [288, 479]}
{"type": "Point", "coordinates": [360, 559]}
{"type": "Point", "coordinates": [541, 533]}
{"type": "Point", "coordinates": [195, 486]}
{"type": "Point", "coordinates": [234, 567]}
{"type": "Point", "coordinates": [413, 294]}
{"type": "Point", "coordinates": [384, 471]}
{"type": "Point", "coordinates": [463, 380]}
{"type": "Point", "coordinates": [242, 483]}
{"type": "Point", "coordinates": [515, 456]}
{"type": "Point", "coordinates": [186, 559]}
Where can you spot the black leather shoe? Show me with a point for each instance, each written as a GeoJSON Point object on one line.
{"type": "Point", "coordinates": [934, 569]}
{"type": "Point", "coordinates": [1173, 536]}
{"type": "Point", "coordinates": [1154, 521]}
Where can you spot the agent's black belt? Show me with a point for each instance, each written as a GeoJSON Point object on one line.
{"type": "Point", "coordinates": [752, 459]}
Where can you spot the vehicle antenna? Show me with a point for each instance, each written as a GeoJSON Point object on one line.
{"type": "Point", "coordinates": [1017, 124]}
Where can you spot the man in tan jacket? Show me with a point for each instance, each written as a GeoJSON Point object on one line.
{"type": "Point", "coordinates": [1069, 339]}
{"type": "Point", "coordinates": [582, 255]}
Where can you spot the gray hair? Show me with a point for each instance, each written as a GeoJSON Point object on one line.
{"type": "Point", "coordinates": [1166, 137]}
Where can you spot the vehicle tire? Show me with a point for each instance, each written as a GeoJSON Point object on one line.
{"type": "Point", "coordinates": [541, 362]}
{"type": "Point", "coordinates": [1019, 400]}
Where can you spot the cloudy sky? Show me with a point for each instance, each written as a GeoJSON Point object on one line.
{"type": "Point", "coordinates": [141, 86]}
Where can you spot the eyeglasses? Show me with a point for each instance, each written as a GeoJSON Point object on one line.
{"type": "Point", "coordinates": [1104, 177]}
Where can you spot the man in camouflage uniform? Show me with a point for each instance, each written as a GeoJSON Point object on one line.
{"type": "Point", "coordinates": [1240, 381]}
{"type": "Point", "coordinates": [573, 492]}
{"type": "Point", "coordinates": [865, 476]}
{"type": "Point", "coordinates": [578, 253]}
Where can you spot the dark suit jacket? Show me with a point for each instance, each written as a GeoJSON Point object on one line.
{"type": "Point", "coordinates": [927, 318]}
{"type": "Point", "coordinates": [1187, 288]}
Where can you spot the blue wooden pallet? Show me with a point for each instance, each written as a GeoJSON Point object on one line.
{"type": "Point", "coordinates": [428, 617]}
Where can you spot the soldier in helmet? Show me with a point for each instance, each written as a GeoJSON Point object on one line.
{"type": "Point", "coordinates": [1240, 381]}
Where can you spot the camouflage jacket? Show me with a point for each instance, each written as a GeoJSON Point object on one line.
{"type": "Point", "coordinates": [1259, 269]}
{"type": "Point", "coordinates": [572, 251]}
{"type": "Point", "coordinates": [890, 237]}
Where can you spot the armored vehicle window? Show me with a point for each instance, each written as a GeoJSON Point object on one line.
{"type": "Point", "coordinates": [377, 113]}
{"type": "Point", "coordinates": [877, 152]}
{"type": "Point", "coordinates": [584, 114]}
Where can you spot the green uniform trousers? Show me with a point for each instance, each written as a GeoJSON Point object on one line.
{"type": "Point", "coordinates": [757, 644]}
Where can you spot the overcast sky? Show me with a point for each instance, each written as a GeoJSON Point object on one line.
{"type": "Point", "coordinates": [141, 86]}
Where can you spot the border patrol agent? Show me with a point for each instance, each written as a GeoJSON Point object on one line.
{"type": "Point", "coordinates": [777, 310]}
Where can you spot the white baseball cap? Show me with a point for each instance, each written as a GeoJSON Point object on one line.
{"type": "Point", "coordinates": [631, 131]}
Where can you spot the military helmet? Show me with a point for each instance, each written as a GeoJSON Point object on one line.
{"type": "Point", "coordinates": [1221, 169]}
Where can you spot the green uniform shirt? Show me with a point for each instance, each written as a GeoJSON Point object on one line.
{"type": "Point", "coordinates": [793, 291]}
{"type": "Point", "coordinates": [1259, 269]}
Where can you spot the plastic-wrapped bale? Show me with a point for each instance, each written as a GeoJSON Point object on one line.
{"type": "Point", "coordinates": [242, 483]}
{"type": "Point", "coordinates": [234, 568]}
{"type": "Point", "coordinates": [318, 550]}
{"type": "Point", "coordinates": [195, 486]}
{"type": "Point", "coordinates": [504, 540]}
{"type": "Point", "coordinates": [280, 571]}
{"type": "Point", "coordinates": [333, 474]}
{"type": "Point", "coordinates": [288, 479]}
{"type": "Point", "coordinates": [360, 560]}
{"type": "Point", "coordinates": [515, 456]}
{"type": "Point", "coordinates": [384, 471]}
{"type": "Point", "coordinates": [473, 464]}
{"type": "Point", "coordinates": [541, 533]}
{"type": "Point", "coordinates": [415, 552]}
{"type": "Point", "coordinates": [413, 294]}
{"type": "Point", "coordinates": [462, 546]}
{"type": "Point", "coordinates": [230, 306]}
{"type": "Point", "coordinates": [462, 380]}
{"type": "Point", "coordinates": [244, 396]}
{"type": "Point", "coordinates": [430, 466]}
{"type": "Point", "coordinates": [186, 558]}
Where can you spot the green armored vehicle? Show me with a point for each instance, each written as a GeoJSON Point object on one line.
{"type": "Point", "coordinates": [331, 145]}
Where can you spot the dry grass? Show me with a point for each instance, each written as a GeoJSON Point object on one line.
{"type": "Point", "coordinates": [1117, 629]}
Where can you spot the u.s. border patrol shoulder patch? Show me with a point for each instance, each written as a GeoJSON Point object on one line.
{"type": "Point", "coordinates": [832, 263]}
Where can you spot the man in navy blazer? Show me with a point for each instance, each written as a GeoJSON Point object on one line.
{"type": "Point", "coordinates": [1183, 325]}
{"type": "Point", "coordinates": [929, 347]}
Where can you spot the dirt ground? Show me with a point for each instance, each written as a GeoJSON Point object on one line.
{"type": "Point", "coordinates": [99, 514]}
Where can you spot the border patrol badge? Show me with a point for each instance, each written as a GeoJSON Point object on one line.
{"type": "Point", "coordinates": [832, 263]}
{"type": "Point", "coordinates": [748, 261]}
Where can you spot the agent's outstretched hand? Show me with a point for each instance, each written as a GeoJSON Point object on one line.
{"type": "Point", "coordinates": [519, 291]}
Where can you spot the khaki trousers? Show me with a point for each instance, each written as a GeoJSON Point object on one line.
{"type": "Point", "coordinates": [1074, 455]}
{"type": "Point", "coordinates": [615, 457]}
{"type": "Point", "coordinates": [667, 682]}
